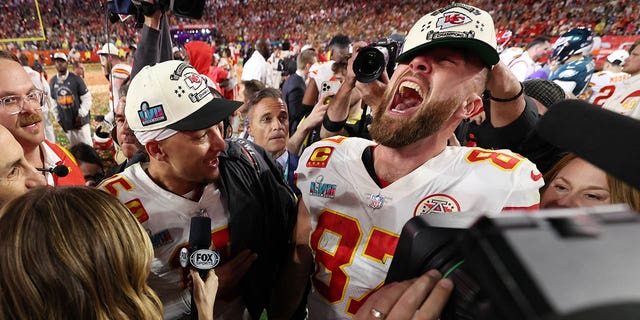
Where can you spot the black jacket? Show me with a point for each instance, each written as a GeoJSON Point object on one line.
{"type": "Point", "coordinates": [263, 213]}
{"type": "Point", "coordinates": [293, 92]}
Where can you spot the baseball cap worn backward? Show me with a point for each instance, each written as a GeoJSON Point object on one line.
{"type": "Point", "coordinates": [457, 25]}
{"type": "Point", "coordinates": [173, 95]}
{"type": "Point", "coordinates": [618, 56]}
{"type": "Point", "coordinates": [109, 49]}
{"type": "Point", "coordinates": [60, 55]}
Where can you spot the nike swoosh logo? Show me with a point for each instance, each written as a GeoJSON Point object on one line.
{"type": "Point", "coordinates": [535, 176]}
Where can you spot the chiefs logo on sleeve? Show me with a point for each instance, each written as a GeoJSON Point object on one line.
{"type": "Point", "coordinates": [319, 157]}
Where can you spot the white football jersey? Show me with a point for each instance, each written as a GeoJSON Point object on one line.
{"type": "Point", "coordinates": [167, 218]}
{"type": "Point", "coordinates": [626, 99]}
{"type": "Point", "coordinates": [603, 85]}
{"type": "Point", "coordinates": [321, 72]}
{"type": "Point", "coordinates": [510, 54]}
{"type": "Point", "coordinates": [356, 224]}
{"type": "Point", "coordinates": [523, 66]}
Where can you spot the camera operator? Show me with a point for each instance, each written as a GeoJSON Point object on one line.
{"type": "Point", "coordinates": [370, 69]}
{"type": "Point", "coordinates": [340, 106]}
{"type": "Point", "coordinates": [319, 73]}
{"type": "Point", "coordinates": [358, 116]}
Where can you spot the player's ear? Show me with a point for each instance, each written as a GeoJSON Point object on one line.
{"type": "Point", "coordinates": [470, 107]}
{"type": "Point", "coordinates": [155, 150]}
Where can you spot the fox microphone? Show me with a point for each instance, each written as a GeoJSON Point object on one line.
{"type": "Point", "coordinates": [59, 170]}
{"type": "Point", "coordinates": [199, 256]}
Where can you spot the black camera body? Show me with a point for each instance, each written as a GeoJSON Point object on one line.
{"type": "Point", "coordinates": [373, 59]}
{"type": "Point", "coordinates": [551, 264]}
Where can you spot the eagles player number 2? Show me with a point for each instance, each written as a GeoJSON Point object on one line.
{"type": "Point", "coordinates": [335, 241]}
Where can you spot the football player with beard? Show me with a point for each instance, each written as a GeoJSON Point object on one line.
{"type": "Point", "coordinates": [358, 194]}
{"type": "Point", "coordinates": [21, 112]}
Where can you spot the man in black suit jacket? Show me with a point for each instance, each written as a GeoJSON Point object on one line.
{"type": "Point", "coordinates": [294, 87]}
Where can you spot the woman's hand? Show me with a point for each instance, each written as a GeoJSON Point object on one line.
{"type": "Point", "coordinates": [204, 293]}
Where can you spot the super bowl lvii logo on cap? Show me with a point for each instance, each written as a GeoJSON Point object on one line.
{"type": "Point", "coordinates": [150, 115]}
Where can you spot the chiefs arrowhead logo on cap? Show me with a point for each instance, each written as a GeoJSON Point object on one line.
{"type": "Point", "coordinates": [192, 80]}
{"type": "Point", "coordinates": [452, 19]}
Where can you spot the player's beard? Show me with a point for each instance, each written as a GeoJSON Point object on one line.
{"type": "Point", "coordinates": [398, 132]}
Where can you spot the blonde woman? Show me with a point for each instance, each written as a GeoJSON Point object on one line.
{"type": "Point", "coordinates": [78, 253]}
{"type": "Point", "coordinates": [573, 182]}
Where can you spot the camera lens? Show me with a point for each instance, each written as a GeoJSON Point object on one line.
{"type": "Point", "coordinates": [369, 64]}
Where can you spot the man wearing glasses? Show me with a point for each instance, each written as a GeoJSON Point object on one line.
{"type": "Point", "coordinates": [21, 114]}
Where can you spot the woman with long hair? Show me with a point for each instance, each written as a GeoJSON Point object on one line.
{"type": "Point", "coordinates": [78, 253]}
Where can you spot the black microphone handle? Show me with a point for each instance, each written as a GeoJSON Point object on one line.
{"type": "Point", "coordinates": [199, 238]}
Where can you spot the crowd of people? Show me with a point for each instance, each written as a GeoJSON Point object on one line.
{"type": "Point", "coordinates": [80, 25]}
{"type": "Point", "coordinates": [308, 175]}
{"type": "Point", "coordinates": [370, 20]}
{"type": "Point", "coordinates": [239, 21]}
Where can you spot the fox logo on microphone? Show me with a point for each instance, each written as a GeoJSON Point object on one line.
{"type": "Point", "coordinates": [203, 259]}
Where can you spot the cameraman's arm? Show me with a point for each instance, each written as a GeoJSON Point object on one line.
{"type": "Point", "coordinates": [166, 52]}
{"type": "Point", "coordinates": [313, 120]}
{"type": "Point", "coordinates": [338, 110]}
{"type": "Point", "coordinates": [148, 45]}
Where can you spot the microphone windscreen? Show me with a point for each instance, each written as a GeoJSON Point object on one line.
{"type": "Point", "coordinates": [60, 170]}
{"type": "Point", "coordinates": [200, 233]}
{"type": "Point", "coordinates": [597, 135]}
